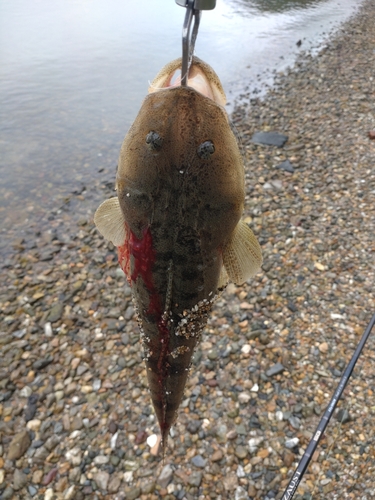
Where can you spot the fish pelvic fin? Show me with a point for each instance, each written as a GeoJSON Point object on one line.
{"type": "Point", "coordinates": [110, 221]}
{"type": "Point", "coordinates": [242, 255]}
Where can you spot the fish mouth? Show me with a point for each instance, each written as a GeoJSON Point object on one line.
{"type": "Point", "coordinates": [201, 78]}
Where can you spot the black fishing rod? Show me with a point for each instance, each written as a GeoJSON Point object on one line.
{"type": "Point", "coordinates": [305, 460]}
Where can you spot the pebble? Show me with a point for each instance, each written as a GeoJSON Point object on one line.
{"type": "Point", "coordinates": [195, 479]}
{"type": "Point", "coordinates": [269, 138]}
{"type": "Point", "coordinates": [101, 478]}
{"type": "Point", "coordinates": [7, 494]}
{"type": "Point", "coordinates": [292, 443]}
{"type": "Point", "coordinates": [26, 391]}
{"type": "Point", "coordinates": [32, 490]}
{"type": "Point", "coordinates": [240, 494]}
{"type": "Point", "coordinates": [70, 493]}
{"type": "Point", "coordinates": [19, 445]}
{"type": "Point", "coordinates": [343, 416]}
{"type": "Point", "coordinates": [54, 314]}
{"type": "Point", "coordinates": [286, 166]}
{"type": "Point", "coordinates": [275, 370]}
{"type": "Point", "coordinates": [34, 425]}
{"type": "Point", "coordinates": [199, 461]}
{"type": "Point", "coordinates": [216, 456]}
{"type": "Point", "coordinates": [165, 476]}
{"type": "Point", "coordinates": [19, 480]}
{"type": "Point", "coordinates": [114, 484]}
{"type": "Point", "coordinates": [254, 443]}
{"type": "Point", "coordinates": [49, 494]}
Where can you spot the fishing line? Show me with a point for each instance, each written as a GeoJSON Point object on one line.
{"type": "Point", "coordinates": [307, 456]}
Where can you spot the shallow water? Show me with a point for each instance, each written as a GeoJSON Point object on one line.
{"type": "Point", "coordinates": [73, 75]}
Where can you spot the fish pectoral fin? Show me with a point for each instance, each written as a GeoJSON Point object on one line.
{"type": "Point", "coordinates": [110, 221]}
{"type": "Point", "coordinates": [242, 255]}
{"type": "Point", "coordinates": [223, 278]}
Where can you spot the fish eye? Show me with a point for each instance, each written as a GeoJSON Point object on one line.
{"type": "Point", "coordinates": [205, 150]}
{"type": "Point", "coordinates": [153, 141]}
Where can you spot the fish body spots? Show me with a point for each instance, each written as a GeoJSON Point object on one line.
{"type": "Point", "coordinates": [205, 150]}
{"type": "Point", "coordinates": [154, 141]}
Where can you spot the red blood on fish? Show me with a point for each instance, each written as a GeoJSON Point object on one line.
{"type": "Point", "coordinates": [144, 257]}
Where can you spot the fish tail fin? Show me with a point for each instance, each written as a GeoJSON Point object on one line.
{"type": "Point", "coordinates": [242, 255]}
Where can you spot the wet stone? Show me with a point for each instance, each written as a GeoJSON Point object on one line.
{"type": "Point", "coordinates": [240, 494]}
{"type": "Point", "coordinates": [32, 490]}
{"type": "Point", "coordinates": [269, 138]}
{"type": "Point", "coordinates": [114, 484]}
{"type": "Point", "coordinates": [286, 166]}
{"type": "Point", "coordinates": [19, 480]}
{"type": "Point", "coordinates": [276, 369]}
{"type": "Point", "coordinates": [42, 363]}
{"type": "Point", "coordinates": [31, 408]}
{"type": "Point", "coordinates": [56, 312]}
{"type": "Point", "coordinates": [199, 461]}
{"type": "Point", "coordinates": [19, 445]}
{"type": "Point", "coordinates": [195, 478]}
{"type": "Point", "coordinates": [166, 476]}
{"type": "Point", "coordinates": [343, 416]}
{"type": "Point", "coordinates": [7, 493]}
{"type": "Point", "coordinates": [213, 354]}
{"type": "Point", "coordinates": [101, 478]}
{"type": "Point", "coordinates": [132, 493]}
{"type": "Point", "coordinates": [241, 452]}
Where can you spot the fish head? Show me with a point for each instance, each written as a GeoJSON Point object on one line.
{"type": "Point", "coordinates": [182, 136]}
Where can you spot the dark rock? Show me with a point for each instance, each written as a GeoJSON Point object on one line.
{"type": "Point", "coordinates": [199, 461]}
{"type": "Point", "coordinates": [286, 166]}
{"type": "Point", "coordinates": [269, 138]}
{"type": "Point", "coordinates": [193, 426]}
{"type": "Point", "coordinates": [275, 370]}
{"type": "Point", "coordinates": [42, 363]}
{"type": "Point", "coordinates": [292, 307]}
{"type": "Point", "coordinates": [343, 416]}
{"type": "Point", "coordinates": [112, 427]}
{"type": "Point", "coordinates": [56, 312]}
{"type": "Point", "coordinates": [141, 437]}
{"type": "Point", "coordinates": [31, 407]}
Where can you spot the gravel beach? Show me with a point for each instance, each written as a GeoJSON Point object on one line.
{"type": "Point", "coordinates": [76, 421]}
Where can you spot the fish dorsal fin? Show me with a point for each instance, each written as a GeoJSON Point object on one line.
{"type": "Point", "coordinates": [110, 221]}
{"type": "Point", "coordinates": [242, 255]}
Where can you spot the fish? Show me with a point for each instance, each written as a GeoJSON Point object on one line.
{"type": "Point", "coordinates": [176, 222]}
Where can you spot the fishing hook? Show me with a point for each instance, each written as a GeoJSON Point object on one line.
{"type": "Point", "coordinates": [189, 36]}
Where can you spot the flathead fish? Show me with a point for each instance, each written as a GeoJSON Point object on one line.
{"type": "Point", "coordinates": [176, 222]}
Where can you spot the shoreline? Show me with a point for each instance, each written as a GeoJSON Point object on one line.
{"type": "Point", "coordinates": [72, 381]}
